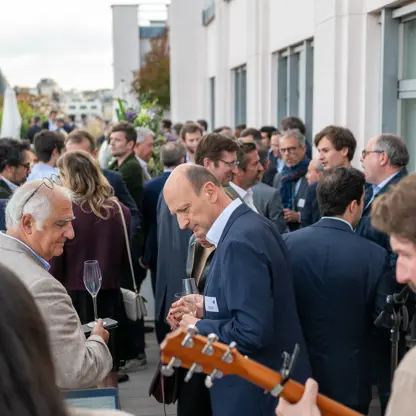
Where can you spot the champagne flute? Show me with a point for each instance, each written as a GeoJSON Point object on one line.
{"type": "Point", "coordinates": [92, 282]}
{"type": "Point", "coordinates": [189, 287]}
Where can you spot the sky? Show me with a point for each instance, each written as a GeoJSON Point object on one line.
{"type": "Point", "coordinates": [68, 41]}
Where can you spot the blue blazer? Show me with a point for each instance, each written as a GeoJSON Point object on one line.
{"type": "Point", "coordinates": [311, 213]}
{"type": "Point", "coordinates": [341, 284]}
{"type": "Point", "coordinates": [251, 281]}
{"type": "Point", "coordinates": [366, 230]}
{"type": "Point", "coordinates": [3, 203]}
{"type": "Point", "coordinates": [123, 195]}
{"type": "Point", "coordinates": [151, 193]}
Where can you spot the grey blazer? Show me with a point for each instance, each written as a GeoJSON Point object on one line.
{"type": "Point", "coordinates": [300, 197]}
{"type": "Point", "coordinates": [79, 363]}
{"type": "Point", "coordinates": [268, 203]}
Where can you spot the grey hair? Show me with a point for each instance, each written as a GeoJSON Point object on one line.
{"type": "Point", "coordinates": [395, 148]}
{"type": "Point", "coordinates": [171, 154]}
{"type": "Point", "coordinates": [294, 133]}
{"type": "Point", "coordinates": [143, 132]}
{"type": "Point", "coordinates": [38, 206]}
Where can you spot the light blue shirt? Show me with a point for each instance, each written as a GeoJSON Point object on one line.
{"type": "Point", "coordinates": [215, 232]}
{"type": "Point", "coordinates": [44, 263]}
{"type": "Point", "coordinates": [380, 186]}
{"type": "Point", "coordinates": [338, 219]}
{"type": "Point", "coordinates": [41, 171]}
{"type": "Point", "coordinates": [11, 185]}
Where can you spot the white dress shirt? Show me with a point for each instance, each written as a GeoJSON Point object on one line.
{"type": "Point", "coordinates": [146, 173]}
{"type": "Point", "coordinates": [41, 171]}
{"type": "Point", "coordinates": [215, 232]}
{"type": "Point", "coordinates": [245, 195]}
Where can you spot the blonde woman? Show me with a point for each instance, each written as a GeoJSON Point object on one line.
{"type": "Point", "coordinates": [99, 235]}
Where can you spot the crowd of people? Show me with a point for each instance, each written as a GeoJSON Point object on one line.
{"type": "Point", "coordinates": [285, 249]}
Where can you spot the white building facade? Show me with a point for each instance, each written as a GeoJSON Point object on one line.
{"type": "Point", "coordinates": [344, 62]}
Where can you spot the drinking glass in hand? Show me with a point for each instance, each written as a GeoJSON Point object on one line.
{"type": "Point", "coordinates": [189, 287]}
{"type": "Point", "coordinates": [92, 282]}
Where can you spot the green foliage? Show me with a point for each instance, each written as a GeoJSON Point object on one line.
{"type": "Point", "coordinates": [27, 112]}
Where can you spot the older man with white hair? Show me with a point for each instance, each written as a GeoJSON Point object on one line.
{"type": "Point", "coordinates": [38, 222]}
{"type": "Point", "coordinates": [144, 149]}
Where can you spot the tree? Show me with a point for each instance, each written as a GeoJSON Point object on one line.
{"type": "Point", "coordinates": [152, 81]}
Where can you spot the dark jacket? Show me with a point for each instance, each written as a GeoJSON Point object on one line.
{"type": "Point", "coordinates": [151, 194]}
{"type": "Point", "coordinates": [123, 195]}
{"type": "Point", "coordinates": [311, 213]}
{"type": "Point", "coordinates": [366, 230]}
{"type": "Point", "coordinates": [341, 284]}
{"type": "Point", "coordinates": [32, 132]}
{"type": "Point", "coordinates": [132, 174]}
{"type": "Point", "coordinates": [172, 243]}
{"type": "Point", "coordinates": [95, 239]}
{"type": "Point", "coordinates": [250, 284]}
{"type": "Point", "coordinates": [3, 203]}
{"type": "Point", "coordinates": [5, 191]}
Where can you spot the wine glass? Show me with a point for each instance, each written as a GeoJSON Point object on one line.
{"type": "Point", "coordinates": [92, 282]}
{"type": "Point", "coordinates": [189, 287]}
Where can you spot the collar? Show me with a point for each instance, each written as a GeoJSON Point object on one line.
{"type": "Point", "coordinates": [188, 160]}
{"type": "Point", "coordinates": [142, 162]}
{"type": "Point", "coordinates": [215, 232]}
{"type": "Point", "coordinates": [241, 192]}
{"type": "Point", "coordinates": [43, 262]}
{"type": "Point", "coordinates": [381, 185]}
{"type": "Point", "coordinates": [131, 156]}
{"type": "Point", "coordinates": [338, 219]}
{"type": "Point", "coordinates": [167, 170]}
{"type": "Point", "coordinates": [41, 171]}
{"type": "Point", "coordinates": [11, 185]}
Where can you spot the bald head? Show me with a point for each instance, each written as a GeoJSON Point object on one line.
{"type": "Point", "coordinates": [196, 197]}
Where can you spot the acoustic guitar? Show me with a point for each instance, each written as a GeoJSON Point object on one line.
{"type": "Point", "coordinates": [185, 348]}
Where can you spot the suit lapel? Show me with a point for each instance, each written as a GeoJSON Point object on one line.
{"type": "Point", "coordinates": [5, 187]}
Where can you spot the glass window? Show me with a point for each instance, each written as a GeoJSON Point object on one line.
{"type": "Point", "coordinates": [240, 95]}
{"type": "Point", "coordinates": [408, 129]}
{"type": "Point", "coordinates": [212, 101]}
{"type": "Point", "coordinates": [409, 49]}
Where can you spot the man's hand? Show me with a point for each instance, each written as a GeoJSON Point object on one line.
{"type": "Point", "coordinates": [187, 305]}
{"type": "Point", "coordinates": [188, 320]}
{"type": "Point", "coordinates": [100, 331]}
{"type": "Point", "coordinates": [305, 407]}
{"type": "Point", "coordinates": [291, 216]}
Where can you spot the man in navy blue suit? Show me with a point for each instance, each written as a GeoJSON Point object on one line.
{"type": "Point", "coordinates": [249, 296]}
{"type": "Point", "coordinates": [336, 146]}
{"type": "Point", "coordinates": [341, 284]}
{"type": "Point", "coordinates": [172, 154]}
{"type": "Point", "coordinates": [384, 160]}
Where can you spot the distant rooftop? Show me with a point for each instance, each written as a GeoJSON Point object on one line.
{"type": "Point", "coordinates": [150, 32]}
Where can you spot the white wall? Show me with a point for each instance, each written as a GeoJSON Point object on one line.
{"type": "Point", "coordinates": [347, 42]}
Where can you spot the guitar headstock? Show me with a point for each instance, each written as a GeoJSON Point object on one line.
{"type": "Point", "coordinates": [185, 348]}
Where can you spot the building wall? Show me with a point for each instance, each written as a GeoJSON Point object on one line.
{"type": "Point", "coordinates": [340, 50]}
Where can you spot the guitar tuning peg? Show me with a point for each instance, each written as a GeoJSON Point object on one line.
{"type": "Point", "coordinates": [208, 349]}
{"type": "Point", "coordinates": [188, 342]}
{"type": "Point", "coordinates": [228, 357]}
{"type": "Point", "coordinates": [195, 368]}
{"type": "Point", "coordinates": [168, 370]}
{"type": "Point", "coordinates": [209, 380]}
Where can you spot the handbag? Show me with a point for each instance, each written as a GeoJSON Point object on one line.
{"type": "Point", "coordinates": [164, 389]}
{"type": "Point", "coordinates": [134, 302]}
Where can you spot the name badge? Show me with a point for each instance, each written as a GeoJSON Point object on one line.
{"type": "Point", "coordinates": [301, 203]}
{"type": "Point", "coordinates": [211, 304]}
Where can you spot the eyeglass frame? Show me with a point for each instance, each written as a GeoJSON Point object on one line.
{"type": "Point", "coordinates": [364, 152]}
{"type": "Point", "coordinates": [230, 164]}
{"type": "Point", "coordinates": [48, 182]}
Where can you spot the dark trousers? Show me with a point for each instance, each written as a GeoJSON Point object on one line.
{"type": "Point", "coordinates": [153, 279]}
{"type": "Point", "coordinates": [161, 327]}
{"type": "Point", "coordinates": [193, 397]}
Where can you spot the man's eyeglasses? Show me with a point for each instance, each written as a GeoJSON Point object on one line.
{"type": "Point", "coordinates": [48, 182]}
{"type": "Point", "coordinates": [230, 164]}
{"type": "Point", "coordinates": [25, 165]}
{"type": "Point", "coordinates": [364, 153]}
{"type": "Point", "coordinates": [287, 149]}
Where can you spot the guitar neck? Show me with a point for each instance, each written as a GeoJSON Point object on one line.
{"type": "Point", "coordinates": [267, 379]}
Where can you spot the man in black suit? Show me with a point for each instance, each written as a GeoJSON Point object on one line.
{"type": "Point", "coordinates": [36, 128]}
{"type": "Point", "coordinates": [341, 283]}
{"type": "Point", "coordinates": [384, 161]}
{"type": "Point", "coordinates": [14, 165]}
{"type": "Point", "coordinates": [291, 181]}
{"type": "Point", "coordinates": [51, 124]}
{"type": "Point", "coordinates": [336, 147]}
{"type": "Point", "coordinates": [172, 154]}
{"type": "Point", "coordinates": [82, 140]}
